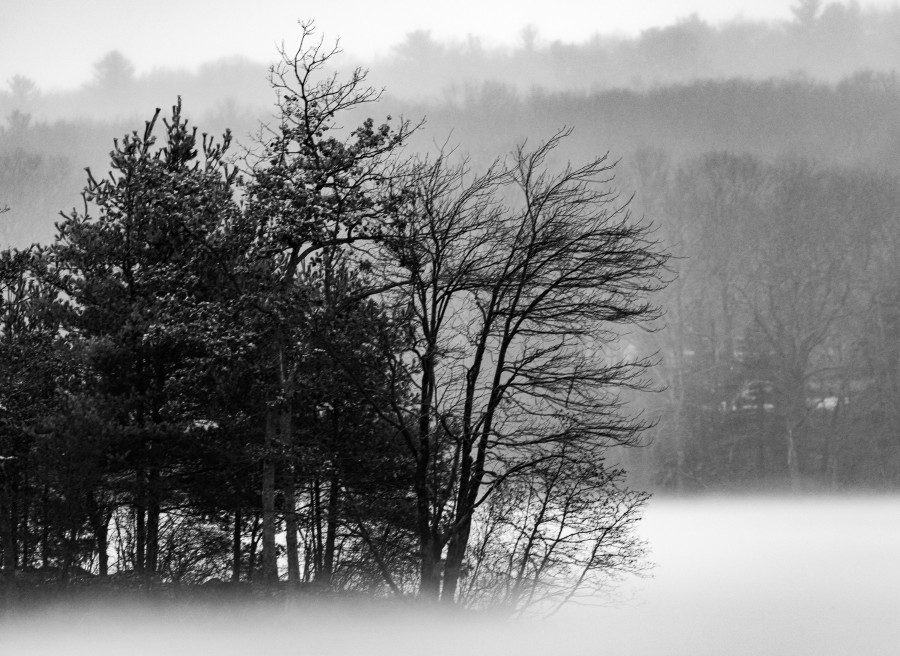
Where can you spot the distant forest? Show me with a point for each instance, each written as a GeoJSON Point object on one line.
{"type": "Point", "coordinates": [766, 155]}
{"type": "Point", "coordinates": [822, 41]}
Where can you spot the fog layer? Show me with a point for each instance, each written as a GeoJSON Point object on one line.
{"type": "Point", "coordinates": [767, 576]}
{"type": "Point", "coordinates": [759, 575]}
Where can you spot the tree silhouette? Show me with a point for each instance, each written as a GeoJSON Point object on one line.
{"type": "Point", "coordinates": [113, 72]}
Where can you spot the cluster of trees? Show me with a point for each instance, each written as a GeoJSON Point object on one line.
{"type": "Point", "coordinates": [325, 363]}
{"type": "Point", "coordinates": [780, 349]}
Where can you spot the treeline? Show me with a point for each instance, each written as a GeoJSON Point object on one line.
{"type": "Point", "coordinates": [325, 364]}
{"type": "Point", "coordinates": [779, 356]}
{"type": "Point", "coordinates": [826, 41]}
{"type": "Point", "coordinates": [221, 90]}
{"type": "Point", "coordinates": [851, 123]}
{"type": "Point", "coordinates": [823, 41]}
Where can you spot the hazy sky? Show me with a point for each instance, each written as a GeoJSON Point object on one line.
{"type": "Point", "coordinates": [55, 42]}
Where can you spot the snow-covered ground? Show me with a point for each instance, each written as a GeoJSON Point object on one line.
{"type": "Point", "coordinates": [735, 576]}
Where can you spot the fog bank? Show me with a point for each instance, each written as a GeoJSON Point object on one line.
{"type": "Point", "coordinates": [741, 575]}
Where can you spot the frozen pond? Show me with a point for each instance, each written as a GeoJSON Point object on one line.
{"type": "Point", "coordinates": [734, 576]}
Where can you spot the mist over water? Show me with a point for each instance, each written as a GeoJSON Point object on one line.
{"type": "Point", "coordinates": [734, 575]}
{"type": "Point", "coordinates": [763, 575]}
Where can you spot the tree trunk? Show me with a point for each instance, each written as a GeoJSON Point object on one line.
{"type": "Point", "coordinates": [45, 529]}
{"type": "Point", "coordinates": [315, 500]}
{"type": "Point", "coordinates": [792, 464]}
{"type": "Point", "coordinates": [70, 540]}
{"type": "Point", "coordinates": [7, 535]}
{"type": "Point", "coordinates": [334, 491]}
{"type": "Point", "coordinates": [795, 420]}
{"type": "Point", "coordinates": [291, 526]}
{"type": "Point", "coordinates": [100, 527]}
{"type": "Point", "coordinates": [269, 558]}
{"type": "Point", "coordinates": [469, 482]}
{"type": "Point", "coordinates": [456, 552]}
{"type": "Point", "coordinates": [429, 552]}
{"type": "Point", "coordinates": [236, 548]}
{"type": "Point", "coordinates": [14, 526]}
{"type": "Point", "coordinates": [430, 572]}
{"type": "Point", "coordinates": [254, 543]}
{"type": "Point", "coordinates": [140, 530]}
{"type": "Point", "coordinates": [103, 552]}
{"type": "Point", "coordinates": [429, 548]}
{"type": "Point", "coordinates": [153, 512]}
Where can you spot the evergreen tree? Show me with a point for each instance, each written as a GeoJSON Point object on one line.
{"type": "Point", "coordinates": [140, 274]}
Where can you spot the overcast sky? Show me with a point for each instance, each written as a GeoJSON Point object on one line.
{"type": "Point", "coordinates": [55, 42]}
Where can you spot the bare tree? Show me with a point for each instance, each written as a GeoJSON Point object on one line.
{"type": "Point", "coordinates": [556, 533]}
{"type": "Point", "coordinates": [511, 287]}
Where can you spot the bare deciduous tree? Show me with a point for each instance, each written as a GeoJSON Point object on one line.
{"type": "Point", "coordinates": [512, 286]}
{"type": "Point", "coordinates": [561, 531]}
